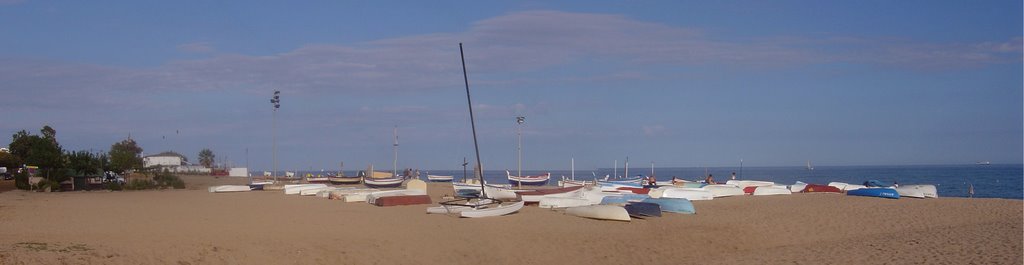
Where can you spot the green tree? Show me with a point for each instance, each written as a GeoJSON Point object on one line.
{"type": "Point", "coordinates": [124, 156]}
{"type": "Point", "coordinates": [11, 162]}
{"type": "Point", "coordinates": [83, 162]}
{"type": "Point", "coordinates": [206, 157]}
{"type": "Point", "coordinates": [42, 151]}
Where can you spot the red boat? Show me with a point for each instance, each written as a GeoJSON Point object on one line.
{"type": "Point", "coordinates": [635, 190]}
{"type": "Point", "coordinates": [402, 200]}
{"type": "Point", "coordinates": [820, 188]}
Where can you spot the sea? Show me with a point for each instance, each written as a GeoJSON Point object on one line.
{"type": "Point", "coordinates": [989, 181]}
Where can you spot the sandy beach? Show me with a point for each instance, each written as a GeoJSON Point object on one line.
{"type": "Point", "coordinates": [192, 226]}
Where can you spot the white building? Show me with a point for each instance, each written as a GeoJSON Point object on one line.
{"type": "Point", "coordinates": [165, 159]}
{"type": "Point", "coordinates": [238, 172]}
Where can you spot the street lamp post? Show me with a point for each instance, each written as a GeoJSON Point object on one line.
{"type": "Point", "coordinates": [276, 100]}
{"type": "Point", "coordinates": [519, 147]}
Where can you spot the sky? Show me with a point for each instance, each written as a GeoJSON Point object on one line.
{"type": "Point", "coordinates": [676, 83]}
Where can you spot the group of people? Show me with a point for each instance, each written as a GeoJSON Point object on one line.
{"type": "Point", "coordinates": [652, 181]}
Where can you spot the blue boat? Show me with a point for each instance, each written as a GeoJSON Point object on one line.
{"type": "Point", "coordinates": [694, 184]}
{"type": "Point", "coordinates": [887, 193]}
{"type": "Point", "coordinates": [624, 198]}
{"type": "Point", "coordinates": [643, 209]}
{"type": "Point", "coordinates": [673, 205]}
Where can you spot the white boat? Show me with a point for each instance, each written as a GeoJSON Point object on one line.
{"type": "Point", "coordinates": [492, 211]}
{"type": "Point", "coordinates": [749, 183]}
{"type": "Point", "coordinates": [499, 193]}
{"type": "Point", "coordinates": [294, 189]}
{"type": "Point", "coordinates": [693, 194]}
{"type": "Point", "coordinates": [340, 194]}
{"type": "Point", "coordinates": [439, 178]}
{"type": "Point", "coordinates": [448, 209]}
{"type": "Point", "coordinates": [536, 195]}
{"type": "Point", "coordinates": [314, 190]}
{"type": "Point", "coordinates": [372, 197]}
{"type": "Point", "coordinates": [357, 196]}
{"type": "Point", "coordinates": [574, 182]}
{"type": "Point", "coordinates": [562, 202]}
{"type": "Point", "coordinates": [771, 190]}
{"type": "Point", "coordinates": [846, 186]}
{"type": "Point", "coordinates": [600, 212]}
{"type": "Point", "coordinates": [326, 193]}
{"type": "Point", "coordinates": [797, 187]}
{"type": "Point", "coordinates": [917, 191]}
{"type": "Point", "coordinates": [724, 190]}
{"type": "Point", "coordinates": [229, 188]}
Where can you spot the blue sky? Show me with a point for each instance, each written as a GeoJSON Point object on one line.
{"type": "Point", "coordinates": [679, 83]}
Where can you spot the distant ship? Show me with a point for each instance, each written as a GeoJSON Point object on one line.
{"type": "Point", "coordinates": [983, 163]}
{"type": "Point", "coordinates": [809, 167]}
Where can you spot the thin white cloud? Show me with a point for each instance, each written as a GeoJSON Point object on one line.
{"type": "Point", "coordinates": [501, 51]}
{"type": "Point", "coordinates": [196, 47]}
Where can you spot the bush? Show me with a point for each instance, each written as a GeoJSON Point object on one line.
{"type": "Point", "coordinates": [167, 180]}
{"type": "Point", "coordinates": [114, 186]}
{"type": "Point", "coordinates": [21, 181]}
{"type": "Point", "coordinates": [45, 183]}
{"type": "Point", "coordinates": [140, 184]}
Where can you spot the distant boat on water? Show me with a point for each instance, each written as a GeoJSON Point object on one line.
{"type": "Point", "coordinates": [809, 167]}
{"type": "Point", "coordinates": [983, 163]}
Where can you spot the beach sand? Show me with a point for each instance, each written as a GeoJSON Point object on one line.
{"type": "Point", "coordinates": [193, 226]}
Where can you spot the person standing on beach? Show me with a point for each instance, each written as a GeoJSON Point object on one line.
{"type": "Point", "coordinates": [733, 176]}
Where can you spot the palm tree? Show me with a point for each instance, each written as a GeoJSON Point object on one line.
{"type": "Point", "coordinates": [206, 157]}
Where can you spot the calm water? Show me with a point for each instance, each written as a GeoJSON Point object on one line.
{"type": "Point", "coordinates": [993, 181]}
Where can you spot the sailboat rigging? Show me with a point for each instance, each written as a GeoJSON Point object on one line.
{"type": "Point", "coordinates": [484, 206]}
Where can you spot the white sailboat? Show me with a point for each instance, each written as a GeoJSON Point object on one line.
{"type": "Point", "coordinates": [484, 205]}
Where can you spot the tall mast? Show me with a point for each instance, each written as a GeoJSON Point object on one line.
{"type": "Point", "coordinates": [394, 163]}
{"type": "Point", "coordinates": [652, 168]}
{"type": "Point", "coordinates": [572, 164]}
{"type": "Point", "coordinates": [627, 168]}
{"type": "Point", "coordinates": [615, 172]}
{"type": "Point", "coordinates": [472, 122]}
